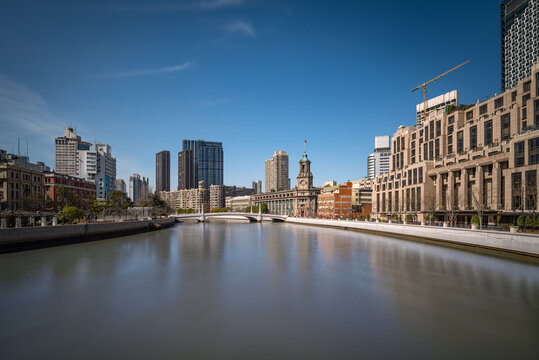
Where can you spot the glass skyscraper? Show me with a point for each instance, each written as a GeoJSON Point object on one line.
{"type": "Point", "coordinates": [207, 161]}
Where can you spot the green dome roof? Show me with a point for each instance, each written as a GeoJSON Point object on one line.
{"type": "Point", "coordinates": [304, 158]}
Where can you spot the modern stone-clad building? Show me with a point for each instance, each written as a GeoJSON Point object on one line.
{"type": "Point", "coordinates": [277, 172]}
{"type": "Point", "coordinates": [520, 40]}
{"type": "Point", "coordinates": [300, 202]}
{"type": "Point", "coordinates": [185, 170]}
{"type": "Point", "coordinates": [217, 196]}
{"type": "Point", "coordinates": [238, 203]}
{"type": "Point", "coordinates": [463, 159]}
{"type": "Point", "coordinates": [162, 171]}
{"type": "Point", "coordinates": [65, 152]}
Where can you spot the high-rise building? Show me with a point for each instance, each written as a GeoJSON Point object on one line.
{"type": "Point", "coordinates": [439, 102]}
{"type": "Point", "coordinates": [257, 187]}
{"type": "Point", "coordinates": [207, 161]}
{"type": "Point", "coordinates": [120, 186]}
{"type": "Point", "coordinates": [65, 152]}
{"type": "Point", "coordinates": [277, 172]}
{"type": "Point", "coordinates": [162, 171]}
{"type": "Point", "coordinates": [105, 178]}
{"type": "Point", "coordinates": [185, 170]}
{"type": "Point", "coordinates": [139, 187]}
{"type": "Point", "coordinates": [520, 40]}
{"type": "Point", "coordinates": [378, 161]}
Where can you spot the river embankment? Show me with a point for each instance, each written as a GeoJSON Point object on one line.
{"type": "Point", "coordinates": [27, 238]}
{"type": "Point", "coordinates": [520, 244]}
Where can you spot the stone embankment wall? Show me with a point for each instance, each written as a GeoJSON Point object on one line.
{"type": "Point", "coordinates": [519, 243]}
{"type": "Point", "coordinates": [19, 236]}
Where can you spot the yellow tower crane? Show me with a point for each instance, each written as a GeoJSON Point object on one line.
{"type": "Point", "coordinates": [424, 86]}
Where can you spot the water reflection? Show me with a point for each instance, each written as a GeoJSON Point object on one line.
{"type": "Point", "coordinates": [231, 290]}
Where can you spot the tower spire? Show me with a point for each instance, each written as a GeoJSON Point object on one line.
{"type": "Point", "coordinates": [305, 146]}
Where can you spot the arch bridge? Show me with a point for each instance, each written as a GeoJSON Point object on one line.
{"type": "Point", "coordinates": [252, 217]}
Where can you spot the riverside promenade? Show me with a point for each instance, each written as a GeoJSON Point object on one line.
{"type": "Point", "coordinates": [507, 242]}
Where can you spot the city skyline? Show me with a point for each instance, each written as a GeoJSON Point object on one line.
{"type": "Point", "coordinates": [235, 43]}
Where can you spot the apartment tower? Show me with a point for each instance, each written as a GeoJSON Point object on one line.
{"type": "Point", "coordinates": [162, 171]}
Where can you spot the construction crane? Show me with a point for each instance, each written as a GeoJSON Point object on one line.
{"type": "Point", "coordinates": [424, 86]}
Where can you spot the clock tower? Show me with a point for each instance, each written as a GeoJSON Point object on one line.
{"type": "Point", "coordinates": [305, 177]}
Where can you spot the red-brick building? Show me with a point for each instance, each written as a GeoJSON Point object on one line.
{"type": "Point", "coordinates": [335, 202]}
{"type": "Point", "coordinates": [84, 190]}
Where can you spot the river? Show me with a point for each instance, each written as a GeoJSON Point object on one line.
{"type": "Point", "coordinates": [265, 291]}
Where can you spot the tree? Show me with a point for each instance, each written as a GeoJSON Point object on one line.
{"type": "Point", "coordinates": [430, 205]}
{"type": "Point", "coordinates": [96, 207]}
{"type": "Point", "coordinates": [185, 211]}
{"type": "Point", "coordinates": [480, 201]}
{"type": "Point", "coordinates": [215, 210]}
{"type": "Point", "coordinates": [65, 196]}
{"type": "Point", "coordinates": [70, 214]}
{"type": "Point", "coordinates": [453, 207]}
{"type": "Point", "coordinates": [531, 200]}
{"type": "Point", "coordinates": [34, 202]}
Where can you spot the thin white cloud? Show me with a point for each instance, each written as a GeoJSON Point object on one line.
{"type": "Point", "coordinates": [162, 70]}
{"type": "Point", "coordinates": [25, 114]}
{"type": "Point", "coordinates": [241, 27]}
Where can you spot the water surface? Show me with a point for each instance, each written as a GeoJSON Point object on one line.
{"type": "Point", "coordinates": [265, 291]}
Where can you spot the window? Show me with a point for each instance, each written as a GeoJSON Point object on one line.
{"type": "Point", "coordinates": [524, 116]}
{"type": "Point", "coordinates": [505, 127]}
{"type": "Point", "coordinates": [426, 132]}
{"type": "Point", "coordinates": [413, 136]}
{"type": "Point", "coordinates": [438, 128]}
{"type": "Point", "coordinates": [460, 141]}
{"type": "Point", "coordinates": [531, 190]}
{"type": "Point", "coordinates": [450, 129]}
{"type": "Point", "coordinates": [469, 115]}
{"type": "Point", "coordinates": [525, 99]}
{"type": "Point", "coordinates": [426, 150]}
{"type": "Point", "coordinates": [449, 149]}
{"type": "Point", "coordinates": [526, 86]}
{"type": "Point", "coordinates": [519, 153]}
{"type": "Point", "coordinates": [513, 97]}
{"type": "Point", "coordinates": [451, 119]}
{"type": "Point", "coordinates": [483, 109]}
{"type": "Point", "coordinates": [432, 130]}
{"type": "Point", "coordinates": [431, 151]}
{"type": "Point", "coordinates": [436, 148]}
{"type": "Point", "coordinates": [499, 102]}
{"type": "Point", "coordinates": [488, 132]}
{"type": "Point", "coordinates": [533, 151]}
{"type": "Point", "coordinates": [415, 177]}
{"type": "Point", "coordinates": [473, 137]}
{"type": "Point", "coordinates": [516, 191]}
{"type": "Point", "coordinates": [420, 175]}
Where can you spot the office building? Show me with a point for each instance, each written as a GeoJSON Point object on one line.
{"type": "Point", "coordinates": [65, 152]}
{"type": "Point", "coordinates": [378, 161]}
{"type": "Point", "coordinates": [185, 170]}
{"type": "Point", "coordinates": [162, 171]}
{"type": "Point", "coordinates": [520, 40]}
{"type": "Point", "coordinates": [217, 196]}
{"type": "Point", "coordinates": [300, 202]}
{"type": "Point", "coordinates": [139, 188]}
{"type": "Point", "coordinates": [483, 156]}
{"type": "Point", "coordinates": [105, 178]}
{"type": "Point", "coordinates": [207, 161]}
{"type": "Point", "coordinates": [439, 102]}
{"type": "Point", "coordinates": [257, 187]}
{"type": "Point", "coordinates": [277, 172]}
{"type": "Point", "coordinates": [120, 186]}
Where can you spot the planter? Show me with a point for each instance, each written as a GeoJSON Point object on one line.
{"type": "Point", "coordinates": [446, 224]}
{"type": "Point", "coordinates": [475, 226]}
{"type": "Point", "coordinates": [513, 229]}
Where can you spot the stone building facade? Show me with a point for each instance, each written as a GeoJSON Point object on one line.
{"type": "Point", "coordinates": [467, 158]}
{"type": "Point", "coordinates": [196, 199]}
{"type": "Point", "coordinates": [300, 202]}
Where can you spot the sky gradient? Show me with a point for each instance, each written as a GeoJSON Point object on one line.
{"type": "Point", "coordinates": [259, 76]}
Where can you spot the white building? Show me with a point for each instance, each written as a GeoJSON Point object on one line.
{"type": "Point", "coordinates": [139, 187]}
{"type": "Point", "coordinates": [105, 179]}
{"type": "Point", "coordinates": [66, 148]}
{"type": "Point", "coordinates": [439, 102]}
{"type": "Point", "coordinates": [378, 162]}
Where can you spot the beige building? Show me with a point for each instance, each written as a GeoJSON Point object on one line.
{"type": "Point", "coordinates": [18, 183]}
{"type": "Point", "coordinates": [467, 158]}
{"type": "Point", "coordinates": [277, 172]}
{"type": "Point", "coordinates": [238, 203]}
{"type": "Point", "coordinates": [65, 152]}
{"type": "Point", "coordinates": [217, 196]}
{"type": "Point", "coordinates": [300, 202]}
{"type": "Point", "coordinates": [196, 199]}
{"type": "Point", "coordinates": [362, 191]}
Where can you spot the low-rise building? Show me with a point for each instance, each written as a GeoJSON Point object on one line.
{"type": "Point", "coordinates": [238, 203]}
{"type": "Point", "coordinates": [196, 199]}
{"type": "Point", "coordinates": [84, 190]}
{"type": "Point", "coordinates": [217, 196]}
{"type": "Point", "coordinates": [335, 201]}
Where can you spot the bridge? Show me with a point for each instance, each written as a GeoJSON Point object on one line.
{"type": "Point", "coordinates": [252, 217]}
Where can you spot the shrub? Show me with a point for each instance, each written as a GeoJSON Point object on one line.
{"type": "Point", "coordinates": [427, 218]}
{"type": "Point", "coordinates": [475, 219]}
{"type": "Point", "coordinates": [409, 217]}
{"type": "Point", "coordinates": [70, 214]}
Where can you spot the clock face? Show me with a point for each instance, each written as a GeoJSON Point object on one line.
{"type": "Point", "coordinates": [303, 182]}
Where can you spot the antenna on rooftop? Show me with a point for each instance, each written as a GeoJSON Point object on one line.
{"type": "Point", "coordinates": [18, 146]}
{"type": "Point", "coordinates": [27, 146]}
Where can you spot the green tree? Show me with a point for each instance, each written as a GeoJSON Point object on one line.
{"type": "Point", "coordinates": [185, 211]}
{"type": "Point", "coordinates": [215, 210]}
{"type": "Point", "coordinates": [119, 200]}
{"type": "Point", "coordinates": [34, 202]}
{"type": "Point", "coordinates": [65, 196]}
{"type": "Point", "coordinates": [70, 213]}
{"type": "Point", "coordinates": [475, 220]}
{"type": "Point", "coordinates": [96, 207]}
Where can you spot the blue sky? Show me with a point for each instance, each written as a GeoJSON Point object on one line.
{"type": "Point", "coordinates": [258, 75]}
